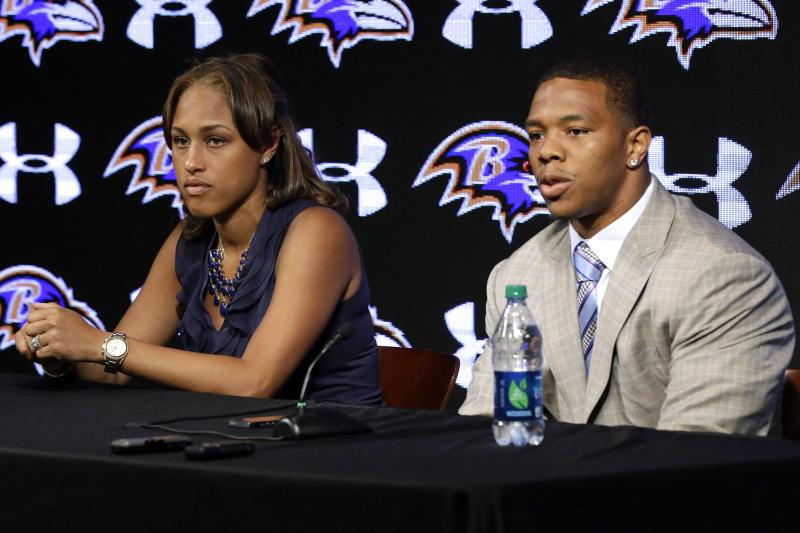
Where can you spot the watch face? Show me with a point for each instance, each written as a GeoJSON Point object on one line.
{"type": "Point", "coordinates": [116, 347]}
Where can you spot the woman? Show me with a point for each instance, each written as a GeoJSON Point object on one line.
{"type": "Point", "coordinates": [263, 269]}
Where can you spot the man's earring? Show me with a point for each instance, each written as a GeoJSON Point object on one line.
{"type": "Point", "coordinates": [633, 162]}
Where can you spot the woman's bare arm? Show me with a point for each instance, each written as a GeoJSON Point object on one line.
{"type": "Point", "coordinates": [318, 266]}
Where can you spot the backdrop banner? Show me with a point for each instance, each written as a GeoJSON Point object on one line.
{"type": "Point", "coordinates": [414, 109]}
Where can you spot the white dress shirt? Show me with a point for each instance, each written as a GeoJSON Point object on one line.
{"type": "Point", "coordinates": [607, 242]}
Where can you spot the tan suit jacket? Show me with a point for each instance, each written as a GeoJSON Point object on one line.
{"type": "Point", "coordinates": [694, 333]}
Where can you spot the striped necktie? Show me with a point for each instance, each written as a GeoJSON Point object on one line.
{"type": "Point", "coordinates": [588, 269]}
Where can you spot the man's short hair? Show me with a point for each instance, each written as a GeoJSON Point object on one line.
{"type": "Point", "coordinates": [624, 92]}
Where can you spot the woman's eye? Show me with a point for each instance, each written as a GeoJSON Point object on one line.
{"type": "Point", "coordinates": [179, 141]}
{"type": "Point", "coordinates": [216, 141]}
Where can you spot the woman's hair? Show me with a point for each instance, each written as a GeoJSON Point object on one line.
{"type": "Point", "coordinates": [260, 110]}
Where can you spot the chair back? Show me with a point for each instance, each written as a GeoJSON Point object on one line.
{"type": "Point", "coordinates": [415, 378]}
{"type": "Point", "coordinates": [791, 405]}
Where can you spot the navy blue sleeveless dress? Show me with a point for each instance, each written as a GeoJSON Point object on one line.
{"type": "Point", "coordinates": [348, 373]}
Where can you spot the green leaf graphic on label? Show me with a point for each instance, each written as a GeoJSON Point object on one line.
{"type": "Point", "coordinates": [517, 396]}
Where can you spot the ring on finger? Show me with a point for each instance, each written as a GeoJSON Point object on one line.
{"type": "Point", "coordinates": [36, 343]}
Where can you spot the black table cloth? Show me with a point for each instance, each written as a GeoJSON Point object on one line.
{"type": "Point", "coordinates": [419, 471]}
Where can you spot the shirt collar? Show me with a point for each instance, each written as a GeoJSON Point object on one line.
{"type": "Point", "coordinates": [607, 242]}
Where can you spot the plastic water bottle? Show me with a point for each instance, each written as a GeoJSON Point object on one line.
{"type": "Point", "coordinates": [517, 361]}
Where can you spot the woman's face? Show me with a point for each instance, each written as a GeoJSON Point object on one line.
{"type": "Point", "coordinates": [217, 171]}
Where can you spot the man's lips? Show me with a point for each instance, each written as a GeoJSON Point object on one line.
{"type": "Point", "coordinates": [195, 187]}
{"type": "Point", "coordinates": [552, 185]}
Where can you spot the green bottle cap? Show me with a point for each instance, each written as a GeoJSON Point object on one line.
{"type": "Point", "coordinates": [516, 291]}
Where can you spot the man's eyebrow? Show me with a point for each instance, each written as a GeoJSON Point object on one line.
{"type": "Point", "coordinates": [576, 117]}
{"type": "Point", "coordinates": [573, 118]}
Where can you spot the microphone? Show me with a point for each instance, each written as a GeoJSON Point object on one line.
{"type": "Point", "coordinates": [320, 421]}
{"type": "Point", "coordinates": [344, 331]}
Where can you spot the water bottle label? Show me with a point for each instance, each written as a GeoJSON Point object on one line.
{"type": "Point", "coordinates": [518, 395]}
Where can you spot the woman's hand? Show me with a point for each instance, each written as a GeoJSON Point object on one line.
{"type": "Point", "coordinates": [23, 346]}
{"type": "Point", "coordinates": [63, 336]}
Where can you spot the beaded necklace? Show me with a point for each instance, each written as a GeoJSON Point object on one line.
{"type": "Point", "coordinates": [221, 287]}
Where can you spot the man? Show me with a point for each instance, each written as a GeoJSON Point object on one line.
{"type": "Point", "coordinates": [682, 325]}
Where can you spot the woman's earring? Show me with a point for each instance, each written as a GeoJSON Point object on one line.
{"type": "Point", "coordinates": [265, 160]}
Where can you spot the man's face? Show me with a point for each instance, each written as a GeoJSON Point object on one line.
{"type": "Point", "coordinates": [578, 153]}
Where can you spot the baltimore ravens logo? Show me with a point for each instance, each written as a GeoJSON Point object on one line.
{"type": "Point", "coordinates": [43, 23]}
{"type": "Point", "coordinates": [693, 24]}
{"type": "Point", "coordinates": [23, 285]}
{"type": "Point", "coordinates": [341, 23]}
{"type": "Point", "coordinates": [791, 184]}
{"type": "Point", "coordinates": [146, 151]}
{"type": "Point", "coordinates": [386, 333]}
{"type": "Point", "coordinates": [487, 165]}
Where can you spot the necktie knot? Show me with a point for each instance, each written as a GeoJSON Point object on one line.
{"type": "Point", "coordinates": [588, 266]}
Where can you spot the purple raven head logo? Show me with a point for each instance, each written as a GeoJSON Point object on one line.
{"type": "Point", "coordinates": [146, 151]}
{"type": "Point", "coordinates": [23, 285]}
{"type": "Point", "coordinates": [43, 23]}
{"type": "Point", "coordinates": [693, 24]}
{"type": "Point", "coordinates": [341, 23]}
{"type": "Point", "coordinates": [487, 166]}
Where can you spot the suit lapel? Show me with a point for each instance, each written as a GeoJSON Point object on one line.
{"type": "Point", "coordinates": [632, 269]}
{"type": "Point", "coordinates": [559, 318]}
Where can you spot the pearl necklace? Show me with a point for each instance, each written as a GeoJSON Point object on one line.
{"type": "Point", "coordinates": [221, 287]}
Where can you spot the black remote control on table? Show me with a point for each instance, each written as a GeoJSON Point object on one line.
{"type": "Point", "coordinates": [220, 449]}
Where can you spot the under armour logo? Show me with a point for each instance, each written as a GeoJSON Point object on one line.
{"type": "Point", "coordinates": [370, 152]}
{"type": "Point", "coordinates": [460, 322]}
{"type": "Point", "coordinates": [536, 27]}
{"type": "Point", "coordinates": [65, 146]}
{"type": "Point", "coordinates": [207, 28]}
{"type": "Point", "coordinates": [732, 161]}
